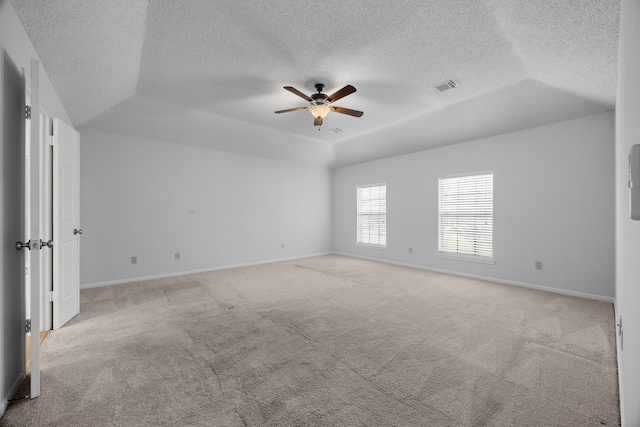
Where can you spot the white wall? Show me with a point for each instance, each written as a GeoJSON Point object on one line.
{"type": "Point", "coordinates": [16, 52]}
{"type": "Point", "coordinates": [553, 202]}
{"type": "Point", "coordinates": [150, 199]}
{"type": "Point", "coordinates": [628, 231]}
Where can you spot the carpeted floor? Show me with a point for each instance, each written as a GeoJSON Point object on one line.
{"type": "Point", "coordinates": [327, 341]}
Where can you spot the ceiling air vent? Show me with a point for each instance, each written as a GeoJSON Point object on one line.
{"type": "Point", "coordinates": [336, 130]}
{"type": "Point", "coordinates": [446, 85]}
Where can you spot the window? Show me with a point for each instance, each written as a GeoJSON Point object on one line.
{"type": "Point", "coordinates": [372, 215]}
{"type": "Point", "coordinates": [465, 213]}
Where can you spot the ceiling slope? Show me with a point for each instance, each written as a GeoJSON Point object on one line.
{"type": "Point", "coordinates": [507, 109]}
{"type": "Point", "coordinates": [90, 49]}
{"type": "Point", "coordinates": [146, 117]}
{"type": "Point", "coordinates": [211, 73]}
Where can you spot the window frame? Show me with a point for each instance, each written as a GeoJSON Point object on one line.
{"type": "Point", "coordinates": [359, 214]}
{"type": "Point", "coordinates": [467, 256]}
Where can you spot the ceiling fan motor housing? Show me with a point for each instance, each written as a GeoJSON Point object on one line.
{"type": "Point", "coordinates": [319, 98]}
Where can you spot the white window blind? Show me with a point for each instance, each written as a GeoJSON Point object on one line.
{"type": "Point", "coordinates": [466, 216]}
{"type": "Point", "coordinates": [372, 215]}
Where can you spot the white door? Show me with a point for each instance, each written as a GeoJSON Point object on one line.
{"type": "Point", "coordinates": [33, 216]}
{"type": "Point", "coordinates": [66, 223]}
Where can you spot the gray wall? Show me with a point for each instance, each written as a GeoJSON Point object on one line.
{"type": "Point", "coordinates": [553, 202]}
{"type": "Point", "coordinates": [16, 52]}
{"type": "Point", "coordinates": [628, 231]}
{"type": "Point", "coordinates": [150, 199]}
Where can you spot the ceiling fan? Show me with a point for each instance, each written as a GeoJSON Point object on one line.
{"type": "Point", "coordinates": [320, 104]}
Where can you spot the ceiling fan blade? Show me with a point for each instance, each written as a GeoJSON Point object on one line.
{"type": "Point", "coordinates": [347, 90]}
{"type": "Point", "coordinates": [290, 109]}
{"type": "Point", "coordinates": [354, 113]}
{"type": "Point", "coordinates": [297, 92]}
{"type": "Point", "coordinates": [317, 121]}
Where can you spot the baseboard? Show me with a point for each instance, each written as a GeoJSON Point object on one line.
{"type": "Point", "coordinates": [12, 392]}
{"type": "Point", "coordinates": [420, 267]}
{"type": "Point", "coordinates": [203, 270]}
{"type": "Point", "coordinates": [490, 279]}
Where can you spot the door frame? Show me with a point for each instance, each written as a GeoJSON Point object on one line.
{"type": "Point", "coordinates": [46, 230]}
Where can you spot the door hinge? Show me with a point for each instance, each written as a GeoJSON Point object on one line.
{"type": "Point", "coordinates": [27, 112]}
{"type": "Point", "coordinates": [619, 325]}
{"type": "Point", "coordinates": [27, 325]}
{"type": "Point", "coordinates": [51, 296]}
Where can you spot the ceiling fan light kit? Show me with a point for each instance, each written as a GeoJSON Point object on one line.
{"type": "Point", "coordinates": [320, 104]}
{"type": "Point", "coordinates": [319, 111]}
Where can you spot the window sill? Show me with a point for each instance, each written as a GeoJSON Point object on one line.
{"type": "Point", "coordinates": [467, 258]}
{"type": "Point", "coordinates": [378, 247]}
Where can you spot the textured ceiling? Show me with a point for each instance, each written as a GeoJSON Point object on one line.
{"type": "Point", "coordinates": [210, 73]}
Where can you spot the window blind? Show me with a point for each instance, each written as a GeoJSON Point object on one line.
{"type": "Point", "coordinates": [466, 215]}
{"type": "Point", "coordinates": [372, 215]}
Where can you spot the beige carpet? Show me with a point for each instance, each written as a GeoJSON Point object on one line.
{"type": "Point", "coordinates": [327, 341]}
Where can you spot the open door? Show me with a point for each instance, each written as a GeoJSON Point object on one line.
{"type": "Point", "coordinates": [65, 242]}
{"type": "Point", "coordinates": [32, 244]}
{"type": "Point", "coordinates": [66, 223]}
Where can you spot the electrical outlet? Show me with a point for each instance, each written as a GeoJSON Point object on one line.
{"type": "Point", "coordinates": [177, 255]}
{"type": "Point", "coordinates": [410, 250]}
{"type": "Point", "coordinates": [538, 265]}
{"type": "Point", "coordinates": [134, 260]}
